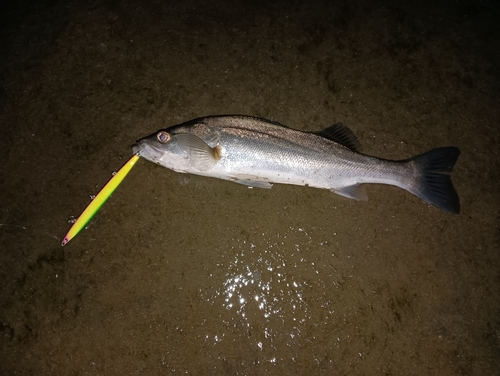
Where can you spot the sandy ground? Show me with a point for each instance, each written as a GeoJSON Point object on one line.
{"type": "Point", "coordinates": [183, 274]}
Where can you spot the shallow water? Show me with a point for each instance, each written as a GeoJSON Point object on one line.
{"type": "Point", "coordinates": [189, 275]}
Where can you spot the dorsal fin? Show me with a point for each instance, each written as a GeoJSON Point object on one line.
{"type": "Point", "coordinates": [339, 133]}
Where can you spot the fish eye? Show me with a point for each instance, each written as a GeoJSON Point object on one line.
{"type": "Point", "coordinates": [163, 137]}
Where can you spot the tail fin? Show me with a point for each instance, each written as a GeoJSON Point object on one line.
{"type": "Point", "coordinates": [434, 183]}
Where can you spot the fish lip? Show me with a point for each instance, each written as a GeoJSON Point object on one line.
{"type": "Point", "coordinates": [136, 149]}
{"type": "Point", "coordinates": [144, 149]}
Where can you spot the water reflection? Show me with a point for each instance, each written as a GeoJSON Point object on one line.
{"type": "Point", "coordinates": [265, 289]}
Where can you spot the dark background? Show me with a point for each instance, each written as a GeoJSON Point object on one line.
{"type": "Point", "coordinates": [184, 274]}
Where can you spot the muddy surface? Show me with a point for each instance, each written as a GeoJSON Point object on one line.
{"type": "Point", "coordinates": [183, 274]}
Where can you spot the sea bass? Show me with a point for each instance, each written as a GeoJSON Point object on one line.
{"type": "Point", "coordinates": [258, 152]}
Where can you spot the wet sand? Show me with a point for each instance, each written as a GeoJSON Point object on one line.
{"type": "Point", "coordinates": [181, 274]}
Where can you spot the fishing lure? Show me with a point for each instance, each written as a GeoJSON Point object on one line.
{"type": "Point", "coordinates": [100, 199]}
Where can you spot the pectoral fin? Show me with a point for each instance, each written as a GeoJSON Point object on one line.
{"type": "Point", "coordinates": [201, 155]}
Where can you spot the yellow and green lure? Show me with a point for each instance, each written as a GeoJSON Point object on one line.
{"type": "Point", "coordinates": [100, 199]}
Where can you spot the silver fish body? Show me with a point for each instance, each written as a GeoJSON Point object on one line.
{"type": "Point", "coordinates": [258, 152]}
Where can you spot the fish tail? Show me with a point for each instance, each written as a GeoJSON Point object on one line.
{"type": "Point", "coordinates": [433, 183]}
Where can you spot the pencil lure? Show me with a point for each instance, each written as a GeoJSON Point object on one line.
{"type": "Point", "coordinates": [99, 200]}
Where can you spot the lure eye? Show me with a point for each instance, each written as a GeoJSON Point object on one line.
{"type": "Point", "coordinates": [163, 137]}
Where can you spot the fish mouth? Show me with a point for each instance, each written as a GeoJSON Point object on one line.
{"type": "Point", "coordinates": [146, 150]}
{"type": "Point", "coordinates": [136, 149]}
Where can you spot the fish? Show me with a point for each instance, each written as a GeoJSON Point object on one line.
{"type": "Point", "coordinates": [259, 153]}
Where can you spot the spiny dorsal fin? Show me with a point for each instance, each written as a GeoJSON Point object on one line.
{"type": "Point", "coordinates": [339, 133]}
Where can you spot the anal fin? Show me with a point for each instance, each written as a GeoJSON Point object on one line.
{"type": "Point", "coordinates": [356, 192]}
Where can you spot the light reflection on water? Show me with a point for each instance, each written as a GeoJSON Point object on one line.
{"type": "Point", "coordinates": [264, 290]}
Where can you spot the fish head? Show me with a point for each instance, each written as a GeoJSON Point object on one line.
{"type": "Point", "coordinates": [162, 148]}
